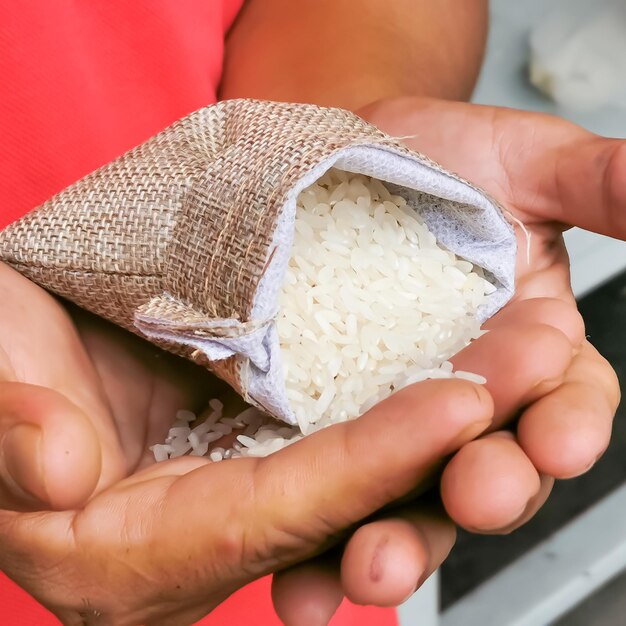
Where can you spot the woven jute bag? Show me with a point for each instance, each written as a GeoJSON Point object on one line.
{"type": "Point", "coordinates": [185, 238]}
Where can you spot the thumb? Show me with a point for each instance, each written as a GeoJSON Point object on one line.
{"type": "Point", "coordinates": [288, 506]}
{"type": "Point", "coordinates": [547, 167]}
{"type": "Point", "coordinates": [49, 451]}
{"type": "Point", "coordinates": [218, 526]}
{"type": "Point", "coordinates": [588, 188]}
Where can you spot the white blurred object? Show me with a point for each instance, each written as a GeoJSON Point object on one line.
{"type": "Point", "coordinates": [578, 54]}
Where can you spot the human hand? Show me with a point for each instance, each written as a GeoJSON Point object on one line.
{"type": "Point", "coordinates": [98, 533]}
{"type": "Point", "coordinates": [100, 396]}
{"type": "Point", "coordinates": [549, 174]}
{"type": "Point", "coordinates": [523, 359]}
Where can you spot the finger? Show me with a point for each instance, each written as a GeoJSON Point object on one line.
{"type": "Point", "coordinates": [386, 561]}
{"type": "Point", "coordinates": [548, 274]}
{"type": "Point", "coordinates": [559, 172]}
{"type": "Point", "coordinates": [521, 363]}
{"type": "Point", "coordinates": [548, 311]}
{"type": "Point", "coordinates": [172, 467]}
{"type": "Point", "coordinates": [7, 373]}
{"type": "Point", "coordinates": [534, 504]}
{"type": "Point", "coordinates": [49, 452]}
{"type": "Point", "coordinates": [489, 484]}
{"type": "Point", "coordinates": [588, 183]}
{"type": "Point", "coordinates": [548, 167]}
{"type": "Point", "coordinates": [565, 432]}
{"type": "Point", "coordinates": [144, 386]}
{"type": "Point", "coordinates": [288, 503]}
{"type": "Point", "coordinates": [383, 564]}
{"type": "Point", "coordinates": [309, 593]}
{"type": "Point", "coordinates": [51, 355]}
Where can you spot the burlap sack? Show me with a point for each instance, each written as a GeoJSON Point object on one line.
{"type": "Point", "coordinates": [185, 239]}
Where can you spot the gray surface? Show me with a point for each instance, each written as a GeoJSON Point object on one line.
{"type": "Point", "coordinates": [422, 609]}
{"type": "Point", "coordinates": [504, 77]}
{"type": "Point", "coordinates": [605, 608]}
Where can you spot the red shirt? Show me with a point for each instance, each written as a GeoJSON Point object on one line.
{"type": "Point", "coordinates": [83, 82]}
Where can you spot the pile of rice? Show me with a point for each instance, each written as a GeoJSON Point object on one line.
{"type": "Point", "coordinates": [370, 303]}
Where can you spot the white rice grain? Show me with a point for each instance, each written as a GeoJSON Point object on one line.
{"type": "Point", "coordinates": [370, 303]}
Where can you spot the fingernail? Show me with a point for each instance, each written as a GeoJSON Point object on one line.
{"type": "Point", "coordinates": [413, 591]}
{"type": "Point", "coordinates": [21, 448]}
{"type": "Point", "coordinates": [426, 574]}
{"type": "Point", "coordinates": [471, 432]}
{"type": "Point", "coordinates": [584, 470]}
{"type": "Point", "coordinates": [546, 385]}
{"type": "Point", "coordinates": [499, 527]}
{"type": "Point", "coordinates": [589, 466]}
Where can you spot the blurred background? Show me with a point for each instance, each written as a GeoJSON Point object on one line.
{"type": "Point", "coordinates": [568, 566]}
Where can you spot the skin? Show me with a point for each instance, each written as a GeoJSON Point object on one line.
{"type": "Point", "coordinates": [354, 52]}
{"type": "Point", "coordinates": [82, 400]}
{"type": "Point", "coordinates": [104, 553]}
{"type": "Point", "coordinates": [88, 385]}
{"type": "Point", "coordinates": [547, 173]}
